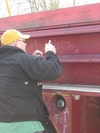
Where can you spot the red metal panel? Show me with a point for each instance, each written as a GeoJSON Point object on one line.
{"type": "Point", "coordinates": [93, 115]}
{"type": "Point", "coordinates": [66, 17]}
{"type": "Point", "coordinates": [60, 119]}
{"type": "Point", "coordinates": [83, 115]}
{"type": "Point", "coordinates": [77, 116]}
{"type": "Point", "coordinates": [79, 54]}
{"type": "Point", "coordinates": [86, 115]}
{"type": "Point", "coordinates": [80, 44]}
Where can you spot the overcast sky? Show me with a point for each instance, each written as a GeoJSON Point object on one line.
{"type": "Point", "coordinates": [22, 6]}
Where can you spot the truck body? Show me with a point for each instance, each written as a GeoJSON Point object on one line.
{"type": "Point", "coordinates": [73, 100]}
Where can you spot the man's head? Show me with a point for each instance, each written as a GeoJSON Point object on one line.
{"type": "Point", "coordinates": [14, 37]}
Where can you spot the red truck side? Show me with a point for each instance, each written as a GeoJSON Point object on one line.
{"type": "Point", "coordinates": [74, 99]}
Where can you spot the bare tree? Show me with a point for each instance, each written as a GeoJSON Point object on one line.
{"type": "Point", "coordinates": [85, 2]}
{"type": "Point", "coordinates": [73, 2]}
{"type": "Point", "coordinates": [28, 6]}
{"type": "Point", "coordinates": [43, 5]}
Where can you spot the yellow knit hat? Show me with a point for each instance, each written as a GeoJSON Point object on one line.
{"type": "Point", "coordinates": [11, 35]}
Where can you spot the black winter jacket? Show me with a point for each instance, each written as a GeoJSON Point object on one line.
{"type": "Point", "coordinates": [20, 97]}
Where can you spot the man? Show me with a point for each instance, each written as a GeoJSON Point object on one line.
{"type": "Point", "coordinates": [21, 108]}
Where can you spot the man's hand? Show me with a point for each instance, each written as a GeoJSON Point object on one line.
{"type": "Point", "coordinates": [50, 47]}
{"type": "Point", "coordinates": [38, 53]}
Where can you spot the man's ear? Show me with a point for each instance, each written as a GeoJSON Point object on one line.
{"type": "Point", "coordinates": [15, 43]}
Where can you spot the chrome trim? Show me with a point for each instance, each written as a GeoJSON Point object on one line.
{"type": "Point", "coordinates": [71, 87]}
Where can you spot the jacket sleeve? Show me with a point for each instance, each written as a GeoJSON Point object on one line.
{"type": "Point", "coordinates": [40, 69]}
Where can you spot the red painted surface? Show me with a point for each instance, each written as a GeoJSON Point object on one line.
{"type": "Point", "coordinates": [76, 115]}
{"type": "Point", "coordinates": [82, 116]}
{"type": "Point", "coordinates": [79, 54]}
{"type": "Point", "coordinates": [75, 32]}
{"type": "Point", "coordinates": [61, 119]}
{"type": "Point", "coordinates": [93, 114]}
{"type": "Point", "coordinates": [64, 19]}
